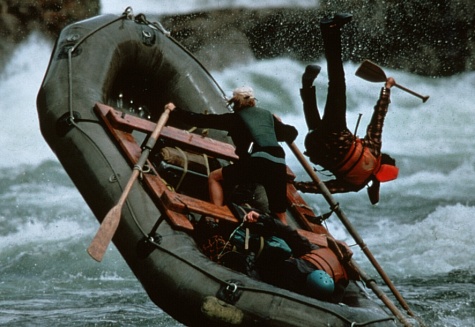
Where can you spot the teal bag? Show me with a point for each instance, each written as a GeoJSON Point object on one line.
{"type": "Point", "coordinates": [265, 248]}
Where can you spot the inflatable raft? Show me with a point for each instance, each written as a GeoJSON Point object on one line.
{"type": "Point", "coordinates": [108, 80]}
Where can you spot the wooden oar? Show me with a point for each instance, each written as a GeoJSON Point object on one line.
{"type": "Point", "coordinates": [341, 215]}
{"type": "Point", "coordinates": [380, 294]}
{"type": "Point", "coordinates": [371, 72]}
{"type": "Point", "coordinates": [109, 224]}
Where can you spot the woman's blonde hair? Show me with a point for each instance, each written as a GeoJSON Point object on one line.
{"type": "Point", "coordinates": [243, 97]}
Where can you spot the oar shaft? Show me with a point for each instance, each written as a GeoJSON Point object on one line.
{"type": "Point", "coordinates": [380, 294]}
{"type": "Point", "coordinates": [341, 215]}
{"type": "Point", "coordinates": [109, 224]}
{"type": "Point", "coordinates": [423, 97]}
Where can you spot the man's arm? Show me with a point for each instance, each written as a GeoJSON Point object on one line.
{"type": "Point", "coordinates": [374, 131]}
{"type": "Point", "coordinates": [266, 225]}
{"type": "Point", "coordinates": [284, 132]}
{"type": "Point", "coordinates": [334, 186]}
{"type": "Point", "coordinates": [221, 122]}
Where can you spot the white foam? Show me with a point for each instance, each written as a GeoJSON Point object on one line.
{"type": "Point", "coordinates": [440, 243]}
{"type": "Point", "coordinates": [20, 138]}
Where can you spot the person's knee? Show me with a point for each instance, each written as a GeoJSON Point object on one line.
{"type": "Point", "coordinates": [215, 187]}
{"type": "Point", "coordinates": [282, 216]}
{"type": "Point", "coordinates": [216, 175]}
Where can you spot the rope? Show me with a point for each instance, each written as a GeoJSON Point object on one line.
{"type": "Point", "coordinates": [315, 219]}
{"type": "Point", "coordinates": [127, 14]}
{"type": "Point", "coordinates": [185, 167]}
{"type": "Point", "coordinates": [228, 241]}
{"type": "Point", "coordinates": [205, 156]}
{"type": "Point", "coordinates": [300, 205]}
{"type": "Point", "coordinates": [159, 26]}
{"type": "Point", "coordinates": [142, 170]}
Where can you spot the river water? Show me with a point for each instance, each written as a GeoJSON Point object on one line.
{"type": "Point", "coordinates": [421, 232]}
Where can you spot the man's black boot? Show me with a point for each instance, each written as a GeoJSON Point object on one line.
{"type": "Point", "coordinates": [311, 72]}
{"type": "Point", "coordinates": [338, 20]}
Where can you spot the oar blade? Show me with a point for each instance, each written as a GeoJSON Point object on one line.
{"type": "Point", "coordinates": [101, 241]}
{"type": "Point", "coordinates": [109, 224]}
{"type": "Point", "coordinates": [370, 72]}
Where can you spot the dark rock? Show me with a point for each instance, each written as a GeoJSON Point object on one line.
{"type": "Point", "coordinates": [236, 35]}
{"type": "Point", "coordinates": [48, 16]}
{"type": "Point", "coordinates": [431, 37]}
{"type": "Point", "coordinates": [18, 18]}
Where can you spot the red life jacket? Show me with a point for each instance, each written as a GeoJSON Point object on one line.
{"type": "Point", "coordinates": [360, 165]}
{"type": "Point", "coordinates": [326, 260]}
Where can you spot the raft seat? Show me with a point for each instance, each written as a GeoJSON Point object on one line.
{"type": "Point", "coordinates": [184, 171]}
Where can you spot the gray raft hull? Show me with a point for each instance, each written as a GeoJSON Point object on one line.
{"type": "Point", "coordinates": [140, 60]}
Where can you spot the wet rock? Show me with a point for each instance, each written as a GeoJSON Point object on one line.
{"type": "Point", "coordinates": [48, 16]}
{"type": "Point", "coordinates": [431, 38]}
{"type": "Point", "coordinates": [237, 35]}
{"type": "Point", "coordinates": [434, 38]}
{"type": "Point", "coordinates": [19, 18]}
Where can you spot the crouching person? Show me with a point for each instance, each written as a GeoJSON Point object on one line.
{"type": "Point", "coordinates": [311, 270]}
{"type": "Point", "coordinates": [307, 268]}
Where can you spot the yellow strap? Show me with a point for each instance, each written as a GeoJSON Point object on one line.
{"type": "Point", "coordinates": [261, 246]}
{"type": "Point", "coordinates": [206, 163]}
{"type": "Point", "coordinates": [185, 167]}
{"type": "Point", "coordinates": [246, 240]}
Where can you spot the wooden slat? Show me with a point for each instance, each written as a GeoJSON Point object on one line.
{"type": "Point", "coordinates": [126, 141]}
{"type": "Point", "coordinates": [197, 142]}
{"type": "Point", "coordinates": [318, 239]}
{"type": "Point", "coordinates": [186, 204]}
{"type": "Point", "coordinates": [157, 187]}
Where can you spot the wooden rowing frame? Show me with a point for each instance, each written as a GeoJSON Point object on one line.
{"type": "Point", "coordinates": [177, 206]}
